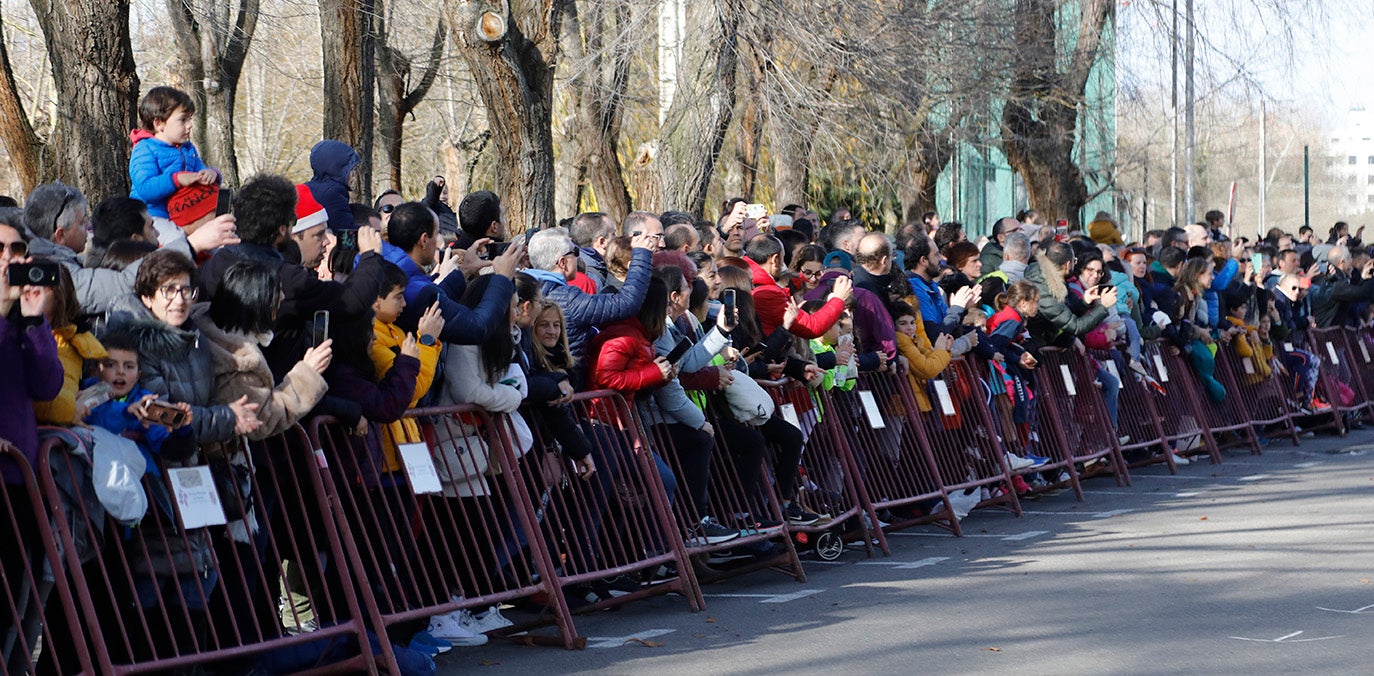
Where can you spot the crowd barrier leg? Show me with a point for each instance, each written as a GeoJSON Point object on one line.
{"type": "Point", "coordinates": [893, 455]}
{"type": "Point", "coordinates": [40, 612]}
{"type": "Point", "coordinates": [1340, 383]}
{"type": "Point", "coordinates": [1079, 425]}
{"type": "Point", "coordinates": [164, 596]}
{"type": "Point", "coordinates": [442, 522]}
{"type": "Point", "coordinates": [828, 480]}
{"type": "Point", "coordinates": [1171, 368]}
{"type": "Point", "coordinates": [614, 529]}
{"type": "Point", "coordinates": [1235, 410]}
{"type": "Point", "coordinates": [725, 479]}
{"type": "Point", "coordinates": [1360, 344]}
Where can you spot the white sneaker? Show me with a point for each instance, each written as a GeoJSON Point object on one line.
{"type": "Point", "coordinates": [447, 628]}
{"type": "Point", "coordinates": [1016, 462]}
{"type": "Point", "coordinates": [487, 622]}
{"type": "Point", "coordinates": [1181, 460]}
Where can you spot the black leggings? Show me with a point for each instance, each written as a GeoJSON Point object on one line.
{"type": "Point", "coordinates": [748, 444]}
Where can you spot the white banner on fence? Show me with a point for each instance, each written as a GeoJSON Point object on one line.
{"type": "Point", "coordinates": [197, 500]}
{"type": "Point", "coordinates": [942, 393]}
{"type": "Point", "coordinates": [875, 417]}
{"type": "Point", "coordinates": [1249, 366]}
{"type": "Point", "coordinates": [1331, 350]}
{"type": "Point", "coordinates": [1111, 366]}
{"type": "Point", "coordinates": [419, 464]}
{"type": "Point", "coordinates": [1068, 380]}
{"type": "Point", "coordinates": [789, 413]}
{"type": "Point", "coordinates": [1163, 372]}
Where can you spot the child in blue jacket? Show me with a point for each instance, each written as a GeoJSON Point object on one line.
{"type": "Point", "coordinates": [164, 160]}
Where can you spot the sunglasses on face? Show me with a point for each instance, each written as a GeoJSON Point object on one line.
{"type": "Point", "coordinates": [16, 249]}
{"type": "Point", "coordinates": [387, 208]}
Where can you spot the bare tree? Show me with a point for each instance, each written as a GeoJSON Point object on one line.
{"type": "Point", "coordinates": [30, 156]}
{"type": "Point", "coordinates": [1040, 118]}
{"type": "Point", "coordinates": [600, 73]}
{"type": "Point", "coordinates": [511, 48]}
{"type": "Point", "coordinates": [398, 99]}
{"type": "Point", "coordinates": [213, 41]}
{"type": "Point", "coordinates": [97, 85]}
{"type": "Point", "coordinates": [346, 34]}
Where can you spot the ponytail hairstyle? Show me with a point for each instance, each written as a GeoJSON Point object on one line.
{"type": "Point", "coordinates": [1017, 293]}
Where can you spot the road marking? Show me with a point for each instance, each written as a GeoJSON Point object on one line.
{"type": "Point", "coordinates": [1192, 494]}
{"type": "Point", "coordinates": [1000, 536]}
{"type": "Point", "coordinates": [1188, 477]}
{"type": "Point", "coordinates": [1356, 611]}
{"type": "Point", "coordinates": [617, 641]}
{"type": "Point", "coordinates": [907, 565]}
{"type": "Point", "coordinates": [770, 598]}
{"type": "Point", "coordinates": [1284, 638]}
{"type": "Point", "coordinates": [1255, 477]}
{"type": "Point", "coordinates": [1095, 515]}
{"type": "Point", "coordinates": [1097, 492]}
{"type": "Point", "coordinates": [1305, 465]}
{"type": "Point", "coordinates": [826, 563]}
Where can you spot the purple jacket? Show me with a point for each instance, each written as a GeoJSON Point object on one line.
{"type": "Point", "coordinates": [33, 372]}
{"type": "Point", "coordinates": [873, 327]}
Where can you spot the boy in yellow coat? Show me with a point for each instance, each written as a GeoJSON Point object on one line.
{"type": "Point", "coordinates": [386, 309]}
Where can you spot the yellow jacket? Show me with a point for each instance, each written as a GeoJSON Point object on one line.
{"type": "Point", "coordinates": [73, 349]}
{"type": "Point", "coordinates": [384, 351]}
{"type": "Point", "coordinates": [926, 362]}
{"type": "Point", "coordinates": [1248, 346]}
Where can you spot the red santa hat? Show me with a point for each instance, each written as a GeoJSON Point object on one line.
{"type": "Point", "coordinates": [309, 213]}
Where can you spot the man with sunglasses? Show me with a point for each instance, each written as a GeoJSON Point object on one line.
{"type": "Point", "coordinates": [387, 203]}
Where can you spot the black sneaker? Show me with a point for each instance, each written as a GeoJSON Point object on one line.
{"type": "Point", "coordinates": [797, 516]}
{"type": "Point", "coordinates": [711, 532]}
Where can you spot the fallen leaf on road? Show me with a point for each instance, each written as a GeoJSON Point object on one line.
{"type": "Point", "coordinates": [644, 642]}
{"type": "Point", "coordinates": [1364, 581]}
{"type": "Point", "coordinates": [994, 650]}
{"type": "Point", "coordinates": [1203, 519]}
{"type": "Point", "coordinates": [489, 663]}
{"type": "Point", "coordinates": [710, 619]}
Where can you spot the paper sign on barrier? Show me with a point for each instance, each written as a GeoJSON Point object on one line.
{"type": "Point", "coordinates": [1331, 350]}
{"type": "Point", "coordinates": [1364, 351]}
{"type": "Point", "coordinates": [1249, 366]}
{"type": "Point", "coordinates": [789, 413]}
{"type": "Point", "coordinates": [1111, 366]}
{"type": "Point", "coordinates": [419, 464]}
{"type": "Point", "coordinates": [1163, 372]}
{"type": "Point", "coordinates": [1068, 380]}
{"type": "Point", "coordinates": [942, 393]}
{"type": "Point", "coordinates": [1287, 347]}
{"type": "Point", "coordinates": [197, 500]}
{"type": "Point", "coordinates": [875, 417]}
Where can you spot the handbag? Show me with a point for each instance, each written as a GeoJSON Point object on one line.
{"type": "Point", "coordinates": [748, 402]}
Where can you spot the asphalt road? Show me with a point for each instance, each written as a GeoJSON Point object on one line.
{"type": "Point", "coordinates": [1262, 564]}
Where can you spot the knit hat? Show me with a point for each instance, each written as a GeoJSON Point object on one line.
{"type": "Point", "coordinates": [192, 203]}
{"type": "Point", "coordinates": [309, 213]}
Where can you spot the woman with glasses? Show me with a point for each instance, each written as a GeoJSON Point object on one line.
{"type": "Point", "coordinates": [809, 263]}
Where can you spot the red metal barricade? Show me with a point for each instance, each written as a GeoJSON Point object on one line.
{"type": "Point", "coordinates": [162, 596]}
{"type": "Point", "coordinates": [38, 603]}
{"type": "Point", "coordinates": [1075, 424]}
{"type": "Point", "coordinates": [1257, 385]}
{"type": "Point", "coordinates": [829, 481]}
{"type": "Point", "coordinates": [1227, 422]}
{"type": "Point", "coordinates": [441, 521]}
{"type": "Point", "coordinates": [1340, 382]}
{"type": "Point", "coordinates": [1360, 342]}
{"type": "Point", "coordinates": [964, 439]}
{"type": "Point", "coordinates": [1180, 411]}
{"type": "Point", "coordinates": [732, 499]}
{"type": "Point", "coordinates": [1139, 416]}
{"type": "Point", "coordinates": [610, 530]}
{"type": "Point", "coordinates": [881, 422]}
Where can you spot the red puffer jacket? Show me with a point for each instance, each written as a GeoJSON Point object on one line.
{"type": "Point", "coordinates": [624, 359]}
{"type": "Point", "coordinates": [770, 303]}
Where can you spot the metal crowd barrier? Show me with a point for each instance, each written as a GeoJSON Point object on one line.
{"type": "Point", "coordinates": [1179, 407]}
{"type": "Point", "coordinates": [1257, 385]}
{"type": "Point", "coordinates": [38, 603]}
{"type": "Point", "coordinates": [1075, 426]}
{"type": "Point", "coordinates": [753, 508]}
{"type": "Point", "coordinates": [1340, 382]}
{"type": "Point", "coordinates": [964, 439]}
{"type": "Point", "coordinates": [1139, 415]}
{"type": "Point", "coordinates": [829, 479]}
{"type": "Point", "coordinates": [199, 579]}
{"type": "Point", "coordinates": [612, 528]}
{"type": "Point", "coordinates": [441, 521]}
{"type": "Point", "coordinates": [894, 457]}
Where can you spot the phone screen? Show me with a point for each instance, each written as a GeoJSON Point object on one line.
{"type": "Point", "coordinates": [728, 298]}
{"type": "Point", "coordinates": [225, 202]}
{"type": "Point", "coordinates": [496, 249]}
{"type": "Point", "coordinates": [319, 328]}
{"type": "Point", "coordinates": [679, 351]}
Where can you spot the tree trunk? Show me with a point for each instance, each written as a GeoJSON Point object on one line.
{"type": "Point", "coordinates": [690, 141]}
{"type": "Point", "coordinates": [1040, 118]}
{"type": "Point", "coordinates": [596, 92]}
{"type": "Point", "coordinates": [511, 52]}
{"type": "Point", "coordinates": [397, 99]}
{"type": "Point", "coordinates": [751, 123]}
{"type": "Point", "coordinates": [97, 84]}
{"type": "Point", "coordinates": [30, 156]}
{"type": "Point", "coordinates": [793, 123]}
{"type": "Point", "coordinates": [346, 37]}
{"type": "Point", "coordinates": [213, 45]}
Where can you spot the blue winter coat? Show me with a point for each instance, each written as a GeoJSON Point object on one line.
{"type": "Point", "coordinates": [585, 312]}
{"type": "Point", "coordinates": [332, 161]}
{"type": "Point", "coordinates": [153, 167]}
{"type": "Point", "coordinates": [462, 325]}
{"type": "Point", "coordinates": [1212, 295]}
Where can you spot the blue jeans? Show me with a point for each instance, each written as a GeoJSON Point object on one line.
{"type": "Point", "coordinates": [1111, 389]}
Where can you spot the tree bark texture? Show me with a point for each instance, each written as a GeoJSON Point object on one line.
{"type": "Point", "coordinates": [597, 92]}
{"type": "Point", "coordinates": [97, 84]}
{"type": "Point", "coordinates": [30, 155]}
{"type": "Point", "coordinates": [398, 100]}
{"type": "Point", "coordinates": [752, 118]}
{"type": "Point", "coordinates": [690, 140]}
{"type": "Point", "coordinates": [347, 39]}
{"type": "Point", "coordinates": [511, 48]}
{"type": "Point", "coordinates": [213, 37]}
{"type": "Point", "coordinates": [1040, 119]}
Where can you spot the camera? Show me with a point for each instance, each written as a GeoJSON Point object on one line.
{"type": "Point", "coordinates": [33, 274]}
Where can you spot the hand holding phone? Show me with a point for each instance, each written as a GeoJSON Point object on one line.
{"type": "Point", "coordinates": [727, 297]}
{"type": "Point", "coordinates": [319, 328]}
{"type": "Point", "coordinates": [679, 351]}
